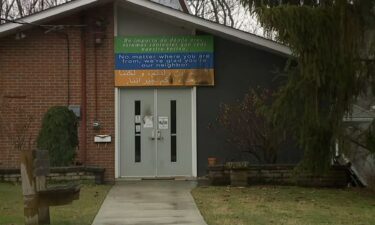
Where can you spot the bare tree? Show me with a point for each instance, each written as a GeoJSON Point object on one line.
{"type": "Point", "coordinates": [16, 128]}
{"type": "Point", "coordinates": [6, 7]}
{"type": "Point", "coordinates": [1, 7]}
{"type": "Point", "coordinates": [15, 9]}
{"type": "Point", "coordinates": [228, 12]}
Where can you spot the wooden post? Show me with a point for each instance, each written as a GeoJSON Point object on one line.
{"type": "Point", "coordinates": [41, 170]}
{"type": "Point", "coordinates": [30, 196]}
{"type": "Point", "coordinates": [44, 218]}
{"type": "Point", "coordinates": [37, 198]}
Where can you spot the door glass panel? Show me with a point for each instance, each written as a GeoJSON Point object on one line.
{"type": "Point", "coordinates": [137, 148]}
{"type": "Point", "coordinates": [173, 132]}
{"type": "Point", "coordinates": [137, 121]}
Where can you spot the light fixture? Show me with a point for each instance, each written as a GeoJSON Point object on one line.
{"type": "Point", "coordinates": [20, 36]}
{"type": "Point", "coordinates": [96, 125]}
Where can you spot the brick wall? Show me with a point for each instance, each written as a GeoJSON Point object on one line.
{"type": "Point", "coordinates": [33, 77]}
{"type": "Point", "coordinates": [75, 173]}
{"type": "Point", "coordinates": [277, 174]}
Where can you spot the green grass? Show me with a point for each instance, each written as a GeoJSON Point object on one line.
{"type": "Point", "coordinates": [80, 212]}
{"type": "Point", "coordinates": [285, 205]}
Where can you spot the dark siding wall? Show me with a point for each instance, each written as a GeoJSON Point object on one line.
{"type": "Point", "coordinates": [237, 68]}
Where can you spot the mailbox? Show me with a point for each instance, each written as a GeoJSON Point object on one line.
{"type": "Point", "coordinates": [103, 138]}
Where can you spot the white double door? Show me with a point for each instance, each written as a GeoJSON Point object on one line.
{"type": "Point", "coordinates": [156, 132]}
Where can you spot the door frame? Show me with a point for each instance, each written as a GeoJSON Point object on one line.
{"type": "Point", "coordinates": [118, 133]}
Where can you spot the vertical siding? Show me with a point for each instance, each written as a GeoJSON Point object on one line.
{"type": "Point", "coordinates": [237, 68]}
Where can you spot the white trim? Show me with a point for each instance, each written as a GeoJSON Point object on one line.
{"type": "Point", "coordinates": [214, 28]}
{"type": "Point", "coordinates": [115, 32]}
{"type": "Point", "coordinates": [194, 131]}
{"type": "Point", "coordinates": [156, 114]}
{"type": "Point", "coordinates": [193, 97]}
{"type": "Point", "coordinates": [194, 159]}
{"type": "Point", "coordinates": [358, 119]}
{"type": "Point", "coordinates": [46, 14]}
{"type": "Point", "coordinates": [117, 108]}
{"type": "Point", "coordinates": [117, 133]}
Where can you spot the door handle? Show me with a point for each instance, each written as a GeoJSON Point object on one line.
{"type": "Point", "coordinates": [152, 135]}
{"type": "Point", "coordinates": [158, 135]}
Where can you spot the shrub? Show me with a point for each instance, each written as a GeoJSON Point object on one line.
{"type": "Point", "coordinates": [59, 135]}
{"type": "Point", "coordinates": [249, 128]}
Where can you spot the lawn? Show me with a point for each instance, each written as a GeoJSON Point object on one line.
{"type": "Point", "coordinates": [81, 212]}
{"type": "Point", "coordinates": [285, 205]}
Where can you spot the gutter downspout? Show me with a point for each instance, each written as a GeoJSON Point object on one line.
{"type": "Point", "coordinates": [83, 142]}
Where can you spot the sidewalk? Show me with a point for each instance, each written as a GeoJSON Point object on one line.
{"type": "Point", "coordinates": [150, 203]}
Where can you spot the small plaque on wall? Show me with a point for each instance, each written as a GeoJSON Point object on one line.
{"type": "Point", "coordinates": [137, 119]}
{"type": "Point", "coordinates": [163, 123]}
{"type": "Point", "coordinates": [148, 122]}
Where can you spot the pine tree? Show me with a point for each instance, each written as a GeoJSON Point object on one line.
{"type": "Point", "coordinates": [331, 66]}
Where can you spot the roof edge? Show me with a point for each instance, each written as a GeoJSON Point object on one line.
{"type": "Point", "coordinates": [214, 28]}
{"type": "Point", "coordinates": [180, 16]}
{"type": "Point", "coordinates": [39, 17]}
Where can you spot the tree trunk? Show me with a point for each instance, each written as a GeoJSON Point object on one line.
{"type": "Point", "coordinates": [1, 10]}
{"type": "Point", "coordinates": [20, 8]}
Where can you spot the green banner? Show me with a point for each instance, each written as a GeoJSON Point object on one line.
{"type": "Point", "coordinates": [164, 44]}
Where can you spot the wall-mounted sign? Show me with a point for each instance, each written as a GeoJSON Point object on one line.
{"type": "Point", "coordinates": [137, 128]}
{"type": "Point", "coordinates": [163, 123]}
{"type": "Point", "coordinates": [137, 119]}
{"type": "Point", "coordinates": [164, 61]}
{"type": "Point", "coordinates": [148, 122]}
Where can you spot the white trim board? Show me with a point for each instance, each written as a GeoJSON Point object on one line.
{"type": "Point", "coordinates": [118, 118]}
{"type": "Point", "coordinates": [194, 131]}
{"type": "Point", "coordinates": [117, 133]}
{"type": "Point", "coordinates": [117, 108]}
{"type": "Point", "coordinates": [39, 18]}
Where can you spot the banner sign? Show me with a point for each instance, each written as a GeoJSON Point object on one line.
{"type": "Point", "coordinates": [164, 61]}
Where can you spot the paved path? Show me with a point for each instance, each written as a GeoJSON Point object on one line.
{"type": "Point", "coordinates": [150, 203]}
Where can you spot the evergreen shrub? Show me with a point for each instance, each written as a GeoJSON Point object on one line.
{"type": "Point", "coordinates": [59, 135]}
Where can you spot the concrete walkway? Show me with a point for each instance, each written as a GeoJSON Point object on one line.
{"type": "Point", "coordinates": [150, 203]}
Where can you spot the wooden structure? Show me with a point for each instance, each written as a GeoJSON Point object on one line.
{"type": "Point", "coordinates": [37, 197]}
